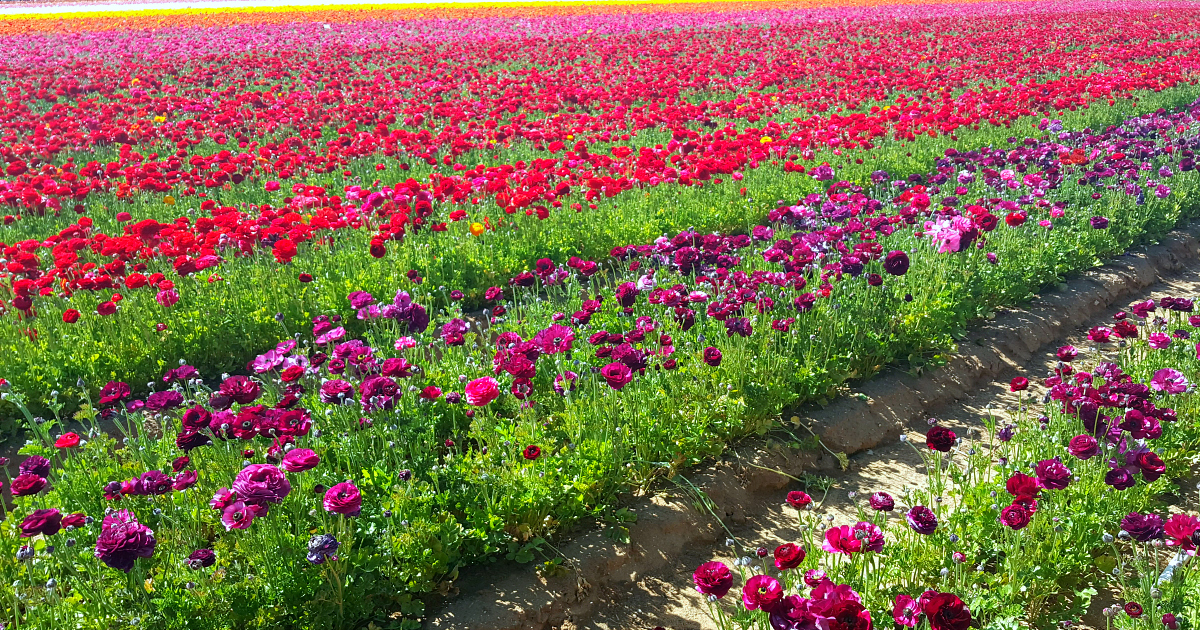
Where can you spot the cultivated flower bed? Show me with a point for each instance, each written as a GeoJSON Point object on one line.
{"type": "Point", "coordinates": [312, 411]}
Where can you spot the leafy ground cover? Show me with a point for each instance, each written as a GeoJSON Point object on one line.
{"type": "Point", "coordinates": [325, 404]}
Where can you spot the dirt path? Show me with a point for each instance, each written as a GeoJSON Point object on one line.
{"type": "Point", "coordinates": [666, 598]}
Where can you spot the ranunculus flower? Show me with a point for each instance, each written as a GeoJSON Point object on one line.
{"type": "Point", "coordinates": [67, 440]}
{"type": "Point", "coordinates": [185, 480]}
{"type": "Point", "coordinates": [1067, 353]}
{"type": "Point", "coordinates": [882, 502]}
{"type": "Point", "coordinates": [713, 578]}
{"type": "Point", "coordinates": [798, 499]}
{"type": "Point", "coordinates": [906, 611]}
{"type": "Point", "coordinates": [1158, 340]}
{"type": "Point", "coordinates": [896, 263]}
{"type": "Point", "coordinates": [1015, 516]}
{"type": "Point", "coordinates": [1143, 527]}
{"type": "Point", "coordinates": [343, 498]}
{"type": "Point", "coordinates": [1018, 384]}
{"type": "Point", "coordinates": [26, 484]}
{"type": "Point", "coordinates": [922, 520]}
{"type": "Point", "coordinates": [531, 452]}
{"type": "Point", "coordinates": [1120, 479]}
{"type": "Point", "coordinates": [712, 356]}
{"type": "Point", "coordinates": [762, 592]}
{"type": "Point", "coordinates": [237, 515]}
{"type": "Point", "coordinates": [945, 611]}
{"type": "Point", "coordinates": [616, 374]}
{"type": "Point", "coordinates": [123, 540]}
{"type": "Point", "coordinates": [46, 522]}
{"type": "Point", "coordinates": [201, 559]}
{"type": "Point", "coordinates": [940, 439]}
{"type": "Point", "coordinates": [1083, 447]}
{"type": "Point", "coordinates": [1181, 530]}
{"type": "Point", "coordinates": [78, 519]}
{"type": "Point", "coordinates": [788, 556]}
{"type": "Point", "coordinates": [261, 485]}
{"type": "Point", "coordinates": [35, 465]}
{"type": "Point", "coordinates": [300, 460]}
{"type": "Point", "coordinates": [1052, 474]}
{"type": "Point", "coordinates": [1169, 381]}
{"type": "Point", "coordinates": [322, 547]}
{"type": "Point", "coordinates": [482, 391]}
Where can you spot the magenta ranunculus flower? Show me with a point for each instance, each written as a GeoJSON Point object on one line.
{"type": "Point", "coordinates": [46, 522]}
{"type": "Point", "coordinates": [616, 374]}
{"type": "Point", "coordinates": [261, 484]}
{"type": "Point", "coordinates": [1015, 516]}
{"type": "Point", "coordinates": [1084, 447]}
{"type": "Point", "coordinates": [35, 465]}
{"type": "Point", "coordinates": [1052, 474]}
{"type": "Point", "coordinates": [906, 611]}
{"type": "Point", "coordinates": [1158, 340]}
{"type": "Point", "coordinates": [713, 578]}
{"type": "Point", "coordinates": [482, 391]}
{"type": "Point", "coordinates": [237, 515]}
{"type": "Point", "coordinates": [762, 592]}
{"type": "Point", "coordinates": [336, 392]}
{"type": "Point", "coordinates": [1169, 381]}
{"type": "Point", "coordinates": [300, 460]}
{"type": "Point", "coordinates": [123, 540]}
{"type": "Point", "coordinates": [788, 556]}
{"type": "Point", "coordinates": [343, 498]}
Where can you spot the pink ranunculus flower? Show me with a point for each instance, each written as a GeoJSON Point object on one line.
{"type": "Point", "coordinates": [1158, 340]}
{"type": "Point", "coordinates": [482, 391]}
{"type": "Point", "coordinates": [300, 460]}
{"type": "Point", "coordinates": [237, 515]}
{"type": "Point", "coordinates": [1169, 381]}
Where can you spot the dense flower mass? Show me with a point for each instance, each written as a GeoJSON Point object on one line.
{"type": "Point", "coordinates": [399, 291]}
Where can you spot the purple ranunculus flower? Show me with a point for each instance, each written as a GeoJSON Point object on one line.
{"type": "Point", "coordinates": [123, 540]}
{"type": "Point", "coordinates": [322, 547]}
{"type": "Point", "coordinates": [1143, 527]}
{"type": "Point", "coordinates": [922, 520]}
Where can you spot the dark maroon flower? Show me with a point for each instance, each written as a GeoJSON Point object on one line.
{"type": "Point", "coordinates": [712, 356]}
{"type": "Point", "coordinates": [35, 465]}
{"type": "Point", "coordinates": [531, 452]}
{"type": "Point", "coordinates": [1143, 527]}
{"type": "Point", "coordinates": [1133, 609]}
{"type": "Point", "coordinates": [922, 520]}
{"type": "Point", "coordinates": [1083, 447]}
{"type": "Point", "coordinates": [1120, 479]}
{"type": "Point", "coordinates": [154, 482]}
{"type": "Point", "coordinates": [1052, 474]}
{"type": "Point", "coordinates": [1099, 223]}
{"type": "Point", "coordinates": [45, 522]}
{"type": "Point", "coordinates": [201, 558]}
{"type": "Point", "coordinates": [896, 263]}
{"type": "Point", "coordinates": [940, 439]}
{"type": "Point", "coordinates": [1015, 516]}
{"type": "Point", "coordinates": [123, 540]}
{"type": "Point", "coordinates": [882, 502]}
{"type": "Point", "coordinates": [945, 611]}
{"type": "Point", "coordinates": [26, 484]}
{"type": "Point", "coordinates": [78, 519]}
{"type": "Point", "coordinates": [1067, 353]}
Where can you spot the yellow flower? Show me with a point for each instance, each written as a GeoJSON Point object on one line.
{"type": "Point", "coordinates": [765, 139]}
{"type": "Point", "coordinates": [476, 229]}
{"type": "Point", "coordinates": [169, 200]}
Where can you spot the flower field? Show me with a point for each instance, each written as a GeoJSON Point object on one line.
{"type": "Point", "coordinates": [304, 312]}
